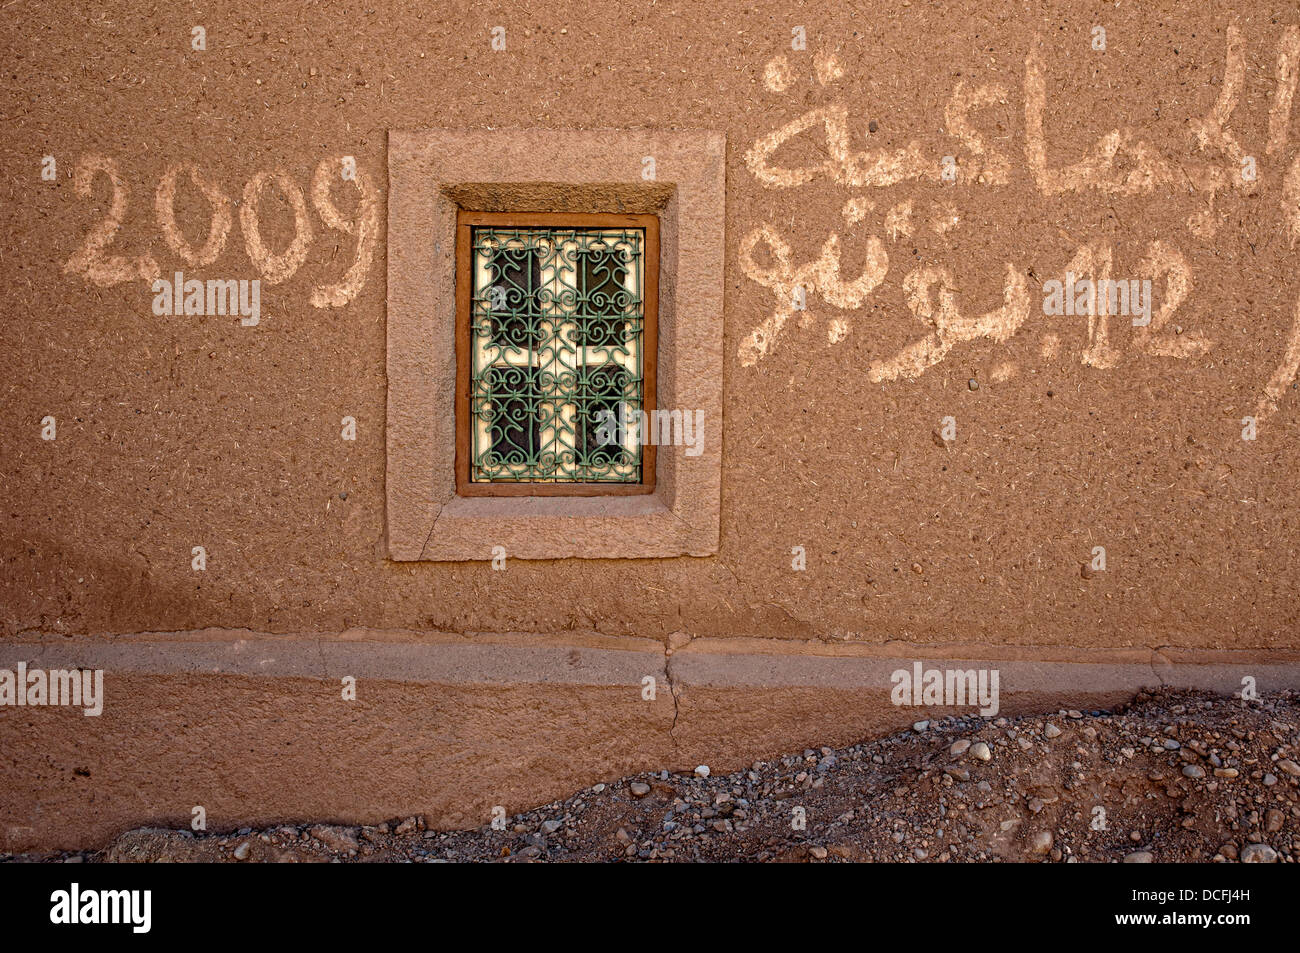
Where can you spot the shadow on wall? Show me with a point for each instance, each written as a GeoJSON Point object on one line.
{"type": "Point", "coordinates": [50, 586]}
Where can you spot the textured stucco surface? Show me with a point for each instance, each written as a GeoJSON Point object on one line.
{"type": "Point", "coordinates": [176, 432]}
{"type": "Point", "coordinates": [184, 431]}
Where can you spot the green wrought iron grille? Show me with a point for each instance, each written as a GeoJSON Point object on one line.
{"type": "Point", "coordinates": [557, 334]}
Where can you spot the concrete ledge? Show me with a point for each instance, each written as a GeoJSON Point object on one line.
{"type": "Point", "coordinates": [254, 728]}
{"type": "Point", "coordinates": [443, 662]}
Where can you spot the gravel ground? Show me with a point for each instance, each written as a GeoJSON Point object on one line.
{"type": "Point", "coordinates": [1176, 776]}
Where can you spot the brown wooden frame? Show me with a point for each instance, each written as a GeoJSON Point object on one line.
{"type": "Point", "coordinates": [465, 221]}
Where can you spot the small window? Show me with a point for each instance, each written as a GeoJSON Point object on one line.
{"type": "Point", "coordinates": [556, 337]}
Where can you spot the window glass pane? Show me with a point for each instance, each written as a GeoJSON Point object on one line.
{"type": "Point", "coordinates": [602, 416]}
{"type": "Point", "coordinates": [603, 296]}
{"type": "Point", "coordinates": [514, 400]}
{"type": "Point", "coordinates": [556, 339]}
{"type": "Point", "coordinates": [515, 283]}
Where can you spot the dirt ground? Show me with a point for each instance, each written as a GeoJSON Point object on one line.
{"type": "Point", "coordinates": [1174, 776]}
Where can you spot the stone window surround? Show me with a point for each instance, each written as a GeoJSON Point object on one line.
{"type": "Point", "coordinates": [433, 173]}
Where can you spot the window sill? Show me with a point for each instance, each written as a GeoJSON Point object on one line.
{"type": "Point", "coordinates": [538, 527]}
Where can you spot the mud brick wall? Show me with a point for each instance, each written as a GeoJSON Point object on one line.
{"type": "Point", "coordinates": [919, 446]}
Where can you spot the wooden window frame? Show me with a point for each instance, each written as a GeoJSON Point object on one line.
{"type": "Point", "coordinates": [465, 223]}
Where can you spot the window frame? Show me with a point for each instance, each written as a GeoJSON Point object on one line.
{"type": "Point", "coordinates": [466, 221]}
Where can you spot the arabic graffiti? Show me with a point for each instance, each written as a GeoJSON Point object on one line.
{"type": "Point", "coordinates": [1119, 164]}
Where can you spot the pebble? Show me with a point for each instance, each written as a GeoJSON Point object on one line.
{"type": "Point", "coordinates": [818, 852]}
{"type": "Point", "coordinates": [702, 771]}
{"type": "Point", "coordinates": [1225, 772]}
{"type": "Point", "coordinates": [1273, 820]}
{"type": "Point", "coordinates": [1258, 854]}
{"type": "Point", "coordinates": [1051, 731]}
{"type": "Point", "coordinates": [1290, 767]}
{"type": "Point", "coordinates": [920, 726]}
{"type": "Point", "coordinates": [639, 789]}
{"type": "Point", "coordinates": [335, 838]}
{"type": "Point", "coordinates": [241, 852]}
{"type": "Point", "coordinates": [981, 751]}
{"type": "Point", "coordinates": [959, 747]}
{"type": "Point", "coordinates": [1040, 842]}
{"type": "Point", "coordinates": [1140, 857]}
{"type": "Point", "coordinates": [1193, 771]}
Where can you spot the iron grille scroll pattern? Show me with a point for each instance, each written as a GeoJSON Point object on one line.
{"type": "Point", "coordinates": [557, 331]}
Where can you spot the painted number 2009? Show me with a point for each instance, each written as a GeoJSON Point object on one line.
{"type": "Point", "coordinates": [94, 261]}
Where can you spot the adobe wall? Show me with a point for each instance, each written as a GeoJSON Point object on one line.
{"type": "Point", "coordinates": [1172, 155]}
